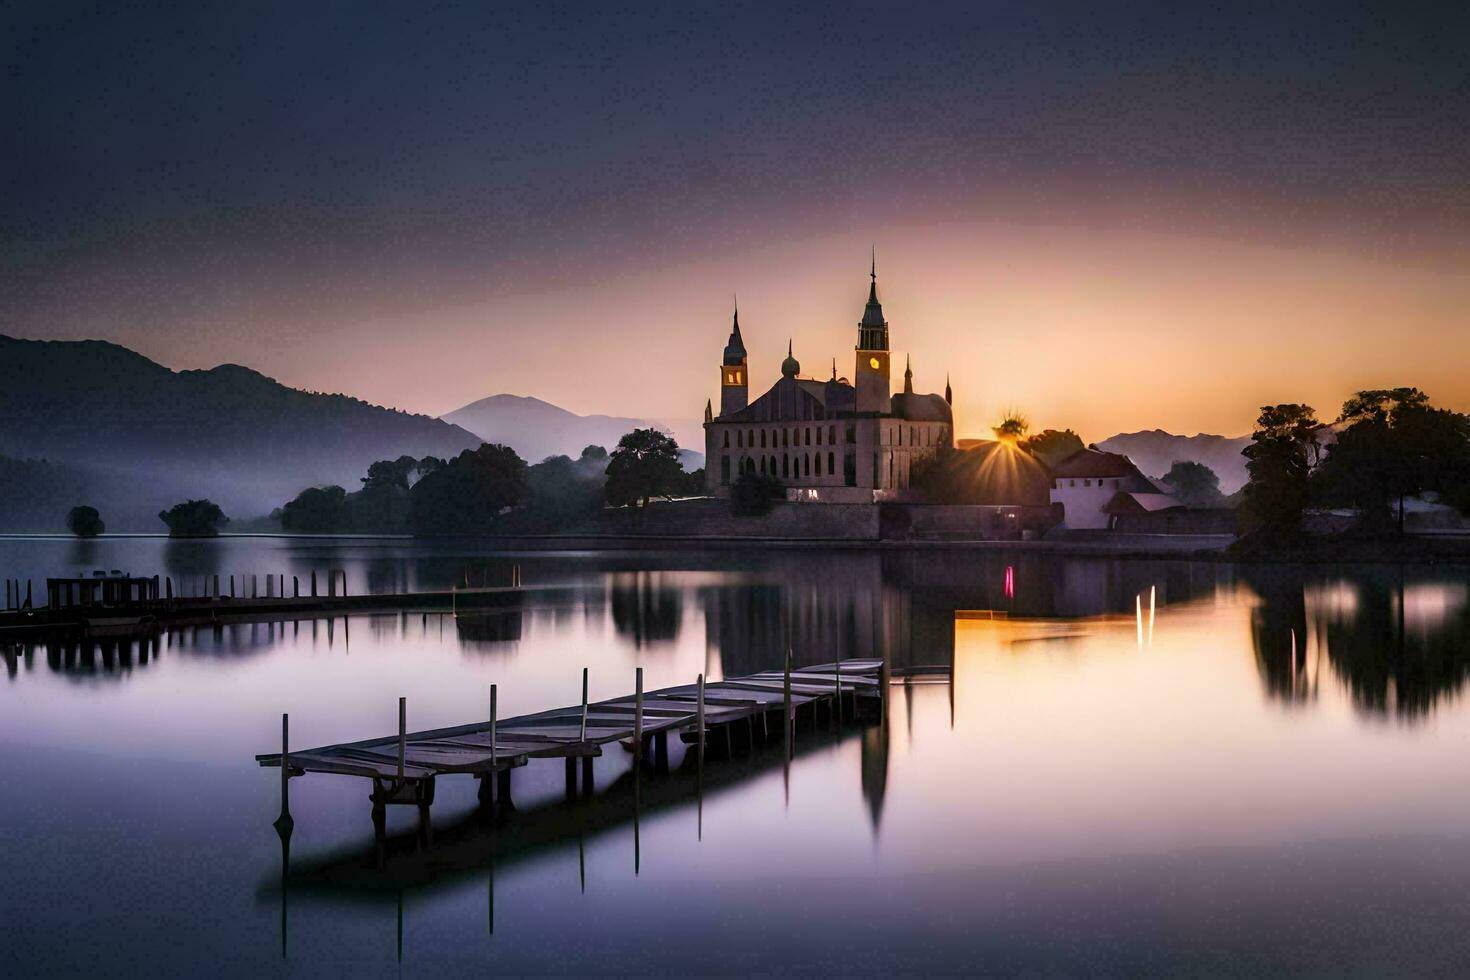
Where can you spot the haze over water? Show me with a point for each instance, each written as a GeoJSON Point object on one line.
{"type": "Point", "coordinates": [1267, 775]}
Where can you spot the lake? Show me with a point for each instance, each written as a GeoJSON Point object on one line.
{"type": "Point", "coordinates": [1135, 767]}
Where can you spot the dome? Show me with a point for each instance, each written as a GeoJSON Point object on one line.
{"type": "Point", "coordinates": [790, 367]}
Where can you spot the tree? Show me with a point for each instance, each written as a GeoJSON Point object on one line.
{"type": "Point", "coordinates": [1051, 446]}
{"type": "Point", "coordinates": [469, 492]}
{"type": "Point", "coordinates": [645, 464]}
{"type": "Point", "coordinates": [85, 522]}
{"type": "Point", "coordinates": [1280, 458]}
{"type": "Point", "coordinates": [317, 510]}
{"type": "Point", "coordinates": [1012, 427]}
{"type": "Point", "coordinates": [752, 494]}
{"type": "Point", "coordinates": [564, 492]}
{"type": "Point", "coordinates": [1194, 484]}
{"type": "Point", "coordinates": [1395, 445]}
{"type": "Point", "coordinates": [193, 519]}
{"type": "Point", "coordinates": [594, 455]}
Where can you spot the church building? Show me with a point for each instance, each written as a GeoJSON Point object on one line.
{"type": "Point", "coordinates": [835, 441]}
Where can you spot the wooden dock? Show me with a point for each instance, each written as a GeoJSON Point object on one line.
{"type": "Point", "coordinates": [403, 767]}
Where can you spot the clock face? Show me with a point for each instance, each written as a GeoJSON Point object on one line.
{"type": "Point", "coordinates": [873, 363]}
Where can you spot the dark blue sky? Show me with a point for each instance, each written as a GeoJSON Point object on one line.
{"type": "Point", "coordinates": [175, 165]}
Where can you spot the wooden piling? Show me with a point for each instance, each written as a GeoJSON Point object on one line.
{"type": "Point", "coordinates": [493, 758]}
{"type": "Point", "coordinates": [700, 720]}
{"type": "Point", "coordinates": [216, 586]}
{"type": "Point", "coordinates": [313, 583]}
{"type": "Point", "coordinates": [296, 586]}
{"type": "Point", "coordinates": [638, 718]}
{"type": "Point", "coordinates": [402, 735]}
{"type": "Point", "coordinates": [285, 765]}
{"type": "Point", "coordinates": [582, 734]}
{"type": "Point", "coordinates": [232, 586]}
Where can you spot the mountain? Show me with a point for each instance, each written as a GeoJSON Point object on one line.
{"type": "Point", "coordinates": [141, 437]}
{"type": "Point", "coordinates": [1156, 450]}
{"type": "Point", "coordinates": [536, 429]}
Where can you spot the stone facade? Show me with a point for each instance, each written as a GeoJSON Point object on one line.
{"type": "Point", "coordinates": [832, 441]}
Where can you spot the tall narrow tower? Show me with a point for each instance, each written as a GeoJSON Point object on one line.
{"type": "Point", "coordinates": [734, 378]}
{"type": "Point", "coordinates": [871, 374]}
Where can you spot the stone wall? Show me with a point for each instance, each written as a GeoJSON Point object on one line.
{"type": "Point", "coordinates": [709, 517]}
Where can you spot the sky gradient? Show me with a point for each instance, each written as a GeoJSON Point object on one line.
{"type": "Point", "coordinates": [1108, 217]}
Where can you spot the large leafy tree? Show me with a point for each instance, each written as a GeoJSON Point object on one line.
{"type": "Point", "coordinates": [1395, 445]}
{"type": "Point", "coordinates": [85, 522]}
{"type": "Point", "coordinates": [469, 492]}
{"type": "Point", "coordinates": [644, 465]}
{"type": "Point", "coordinates": [194, 519]}
{"type": "Point", "coordinates": [565, 492]}
{"type": "Point", "coordinates": [1194, 484]}
{"type": "Point", "coordinates": [317, 510]}
{"type": "Point", "coordinates": [1052, 446]}
{"type": "Point", "coordinates": [1280, 457]}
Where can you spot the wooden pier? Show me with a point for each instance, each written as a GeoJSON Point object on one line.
{"type": "Point", "coordinates": [403, 767]}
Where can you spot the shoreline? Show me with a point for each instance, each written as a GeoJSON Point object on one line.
{"type": "Point", "coordinates": [1418, 549]}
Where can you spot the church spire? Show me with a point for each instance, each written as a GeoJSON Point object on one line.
{"type": "Point", "coordinates": [735, 349]}
{"type": "Point", "coordinates": [873, 329]}
{"type": "Point", "coordinates": [834, 369]}
{"type": "Point", "coordinates": [948, 395]}
{"type": "Point", "coordinates": [908, 376]}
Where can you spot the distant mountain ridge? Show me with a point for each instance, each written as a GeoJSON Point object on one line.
{"type": "Point", "coordinates": [133, 426]}
{"type": "Point", "coordinates": [537, 429]}
{"type": "Point", "coordinates": [1155, 451]}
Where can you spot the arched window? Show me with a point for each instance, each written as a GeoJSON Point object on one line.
{"type": "Point", "coordinates": [809, 435]}
{"type": "Point", "coordinates": [819, 435]}
{"type": "Point", "coordinates": [785, 465]}
{"type": "Point", "coordinates": [831, 457]}
{"type": "Point", "coordinates": [727, 439]}
{"type": "Point", "coordinates": [763, 438]}
{"type": "Point", "coordinates": [806, 464]}
{"type": "Point", "coordinates": [763, 465]}
{"type": "Point", "coordinates": [785, 438]}
{"type": "Point", "coordinates": [819, 461]}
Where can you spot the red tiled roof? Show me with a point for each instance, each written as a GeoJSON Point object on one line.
{"type": "Point", "coordinates": [1096, 463]}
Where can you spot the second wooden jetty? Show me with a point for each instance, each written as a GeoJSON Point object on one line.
{"type": "Point", "coordinates": [403, 767]}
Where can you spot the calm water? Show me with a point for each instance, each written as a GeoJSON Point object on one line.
{"type": "Point", "coordinates": [1268, 775]}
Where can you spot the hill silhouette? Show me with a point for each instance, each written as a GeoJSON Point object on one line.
{"type": "Point", "coordinates": [537, 429]}
{"type": "Point", "coordinates": [1154, 451]}
{"type": "Point", "coordinates": [139, 437]}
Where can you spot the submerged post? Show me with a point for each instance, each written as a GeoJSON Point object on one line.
{"type": "Point", "coordinates": [313, 583]}
{"type": "Point", "coordinates": [402, 735]}
{"type": "Point", "coordinates": [638, 718]}
{"type": "Point", "coordinates": [493, 758]}
{"type": "Point", "coordinates": [295, 587]}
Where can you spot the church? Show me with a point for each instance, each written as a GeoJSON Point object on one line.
{"type": "Point", "coordinates": [833, 441]}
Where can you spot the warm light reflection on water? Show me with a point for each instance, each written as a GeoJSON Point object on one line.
{"type": "Point", "coordinates": [1137, 767]}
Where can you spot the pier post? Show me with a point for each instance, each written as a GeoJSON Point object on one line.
{"type": "Point", "coordinates": [295, 587]}
{"type": "Point", "coordinates": [284, 821]}
{"type": "Point", "coordinates": [493, 757]}
{"type": "Point", "coordinates": [254, 587]}
{"type": "Point", "coordinates": [582, 734]}
{"type": "Point", "coordinates": [699, 714]}
{"type": "Point", "coordinates": [232, 586]}
{"type": "Point", "coordinates": [638, 718]}
{"type": "Point", "coordinates": [313, 583]}
{"type": "Point", "coordinates": [343, 573]}
{"type": "Point", "coordinates": [402, 735]}
{"type": "Point", "coordinates": [331, 583]}
{"type": "Point", "coordinates": [216, 586]}
{"type": "Point", "coordinates": [788, 713]}
{"type": "Point", "coordinates": [837, 692]}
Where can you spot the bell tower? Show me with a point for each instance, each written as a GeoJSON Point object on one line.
{"type": "Point", "coordinates": [871, 374]}
{"type": "Point", "coordinates": [734, 378]}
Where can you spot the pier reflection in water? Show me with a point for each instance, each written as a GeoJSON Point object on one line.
{"type": "Point", "coordinates": [1129, 782]}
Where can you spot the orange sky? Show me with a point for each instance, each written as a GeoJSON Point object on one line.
{"type": "Point", "coordinates": [1096, 329]}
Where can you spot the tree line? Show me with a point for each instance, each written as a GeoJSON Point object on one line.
{"type": "Point", "coordinates": [1387, 445]}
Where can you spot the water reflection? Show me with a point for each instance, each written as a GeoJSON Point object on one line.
{"type": "Point", "coordinates": [647, 607]}
{"type": "Point", "coordinates": [1398, 639]}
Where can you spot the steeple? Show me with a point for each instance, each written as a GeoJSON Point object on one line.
{"type": "Point", "coordinates": [709, 410]}
{"type": "Point", "coordinates": [834, 369]}
{"type": "Point", "coordinates": [734, 379]}
{"type": "Point", "coordinates": [873, 329]}
{"type": "Point", "coordinates": [735, 349]}
{"type": "Point", "coordinates": [948, 395]}
{"type": "Point", "coordinates": [790, 367]}
{"type": "Point", "coordinates": [908, 376]}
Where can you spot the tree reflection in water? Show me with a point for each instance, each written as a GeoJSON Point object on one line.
{"type": "Point", "coordinates": [1399, 639]}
